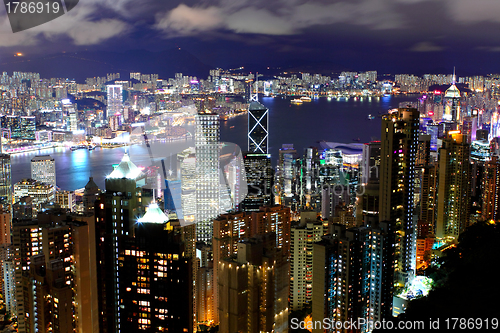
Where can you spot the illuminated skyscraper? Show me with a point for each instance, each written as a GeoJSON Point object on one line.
{"type": "Point", "coordinates": [353, 275]}
{"type": "Point", "coordinates": [258, 124]}
{"type": "Point", "coordinates": [207, 136]}
{"type": "Point", "coordinates": [259, 176]}
{"type": "Point", "coordinates": [114, 105]}
{"type": "Point", "coordinates": [43, 169]}
{"type": "Point", "coordinates": [116, 212]}
{"type": "Point", "coordinates": [5, 179]}
{"type": "Point", "coordinates": [156, 278]}
{"type": "Point", "coordinates": [452, 102]}
{"type": "Point", "coordinates": [398, 153]}
{"type": "Point", "coordinates": [454, 187]}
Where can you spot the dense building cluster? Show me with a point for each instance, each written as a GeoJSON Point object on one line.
{"type": "Point", "coordinates": [338, 231]}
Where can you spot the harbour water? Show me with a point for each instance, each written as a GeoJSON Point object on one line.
{"type": "Point", "coordinates": [303, 125]}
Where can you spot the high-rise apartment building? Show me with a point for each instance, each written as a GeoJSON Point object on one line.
{"type": "Point", "coordinates": [398, 152]}
{"type": "Point", "coordinates": [303, 236]}
{"type": "Point", "coordinates": [116, 213]}
{"type": "Point", "coordinates": [353, 276]}
{"type": "Point", "coordinates": [208, 186]}
{"type": "Point", "coordinates": [253, 288]}
{"type": "Point", "coordinates": [453, 205]}
{"type": "Point", "coordinates": [43, 169]}
{"type": "Point", "coordinates": [491, 193]}
{"type": "Point", "coordinates": [155, 278]}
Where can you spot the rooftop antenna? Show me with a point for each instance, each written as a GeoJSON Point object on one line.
{"type": "Point", "coordinates": [453, 79]}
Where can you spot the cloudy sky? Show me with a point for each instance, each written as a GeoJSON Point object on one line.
{"type": "Point", "coordinates": [387, 35]}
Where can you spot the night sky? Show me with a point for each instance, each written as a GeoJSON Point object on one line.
{"type": "Point", "coordinates": [391, 36]}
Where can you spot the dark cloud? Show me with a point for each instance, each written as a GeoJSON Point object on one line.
{"type": "Point", "coordinates": [230, 31]}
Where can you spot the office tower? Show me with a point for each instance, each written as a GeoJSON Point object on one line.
{"type": "Point", "coordinates": [258, 125]}
{"type": "Point", "coordinates": [40, 192]}
{"type": "Point", "coordinates": [155, 278]}
{"type": "Point", "coordinates": [491, 190]}
{"type": "Point", "coordinates": [207, 136]}
{"type": "Point", "coordinates": [303, 236]}
{"type": "Point", "coordinates": [259, 177]}
{"type": "Point", "coordinates": [397, 177]}
{"type": "Point", "coordinates": [66, 200]}
{"type": "Point", "coordinates": [351, 280]}
{"type": "Point", "coordinates": [453, 207]}
{"type": "Point", "coordinates": [173, 197]}
{"type": "Point", "coordinates": [452, 103]}
{"type": "Point", "coordinates": [114, 100]}
{"type": "Point", "coordinates": [187, 165]}
{"type": "Point", "coordinates": [286, 176]}
{"type": "Point", "coordinates": [5, 180]}
{"type": "Point", "coordinates": [90, 195]}
{"type": "Point", "coordinates": [309, 195]}
{"type": "Point", "coordinates": [253, 288]}
{"type": "Point", "coordinates": [116, 213]}
{"type": "Point", "coordinates": [43, 169]}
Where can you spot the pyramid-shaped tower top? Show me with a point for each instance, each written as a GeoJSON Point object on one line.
{"type": "Point", "coordinates": [452, 91]}
{"type": "Point", "coordinates": [154, 214]}
{"type": "Point", "coordinates": [126, 169]}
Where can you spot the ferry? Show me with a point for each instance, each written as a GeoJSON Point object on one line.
{"type": "Point", "coordinates": [296, 101]}
{"type": "Point", "coordinates": [73, 148]}
{"type": "Point", "coordinates": [305, 99]}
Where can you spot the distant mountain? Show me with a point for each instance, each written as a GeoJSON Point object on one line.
{"type": "Point", "coordinates": [81, 65]}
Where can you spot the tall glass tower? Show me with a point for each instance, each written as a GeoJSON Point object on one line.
{"type": "Point", "coordinates": [207, 144]}
{"type": "Point", "coordinates": [258, 124]}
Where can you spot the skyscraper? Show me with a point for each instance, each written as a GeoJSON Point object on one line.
{"type": "Point", "coordinates": [116, 212]}
{"type": "Point", "coordinates": [155, 278]}
{"type": "Point", "coordinates": [353, 275]}
{"type": "Point", "coordinates": [259, 176]}
{"type": "Point", "coordinates": [258, 124]}
{"type": "Point", "coordinates": [454, 192]}
{"type": "Point", "coordinates": [399, 144]}
{"type": "Point", "coordinates": [43, 169]}
{"type": "Point", "coordinates": [5, 179]}
{"type": "Point", "coordinates": [114, 105]}
{"type": "Point", "coordinates": [452, 102]}
{"type": "Point", "coordinates": [208, 187]}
